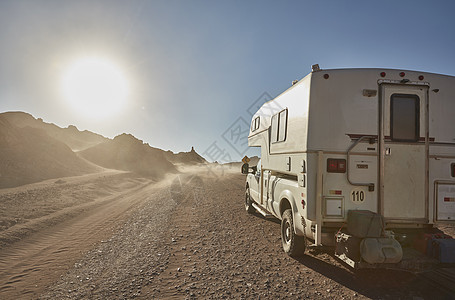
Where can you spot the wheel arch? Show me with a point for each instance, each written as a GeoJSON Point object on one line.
{"type": "Point", "coordinates": [287, 201]}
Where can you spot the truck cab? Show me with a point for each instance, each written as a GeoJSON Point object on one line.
{"type": "Point", "coordinates": [253, 182]}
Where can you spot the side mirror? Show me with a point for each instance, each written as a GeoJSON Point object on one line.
{"type": "Point", "coordinates": [255, 169]}
{"type": "Point", "coordinates": [245, 168]}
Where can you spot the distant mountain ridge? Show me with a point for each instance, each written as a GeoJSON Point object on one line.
{"type": "Point", "coordinates": [32, 150]}
{"type": "Point", "coordinates": [125, 152]}
{"type": "Point", "coordinates": [191, 157]}
{"type": "Point", "coordinates": [71, 136]}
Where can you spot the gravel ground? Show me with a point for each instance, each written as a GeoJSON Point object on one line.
{"type": "Point", "coordinates": [122, 265]}
{"type": "Point", "coordinates": [193, 239]}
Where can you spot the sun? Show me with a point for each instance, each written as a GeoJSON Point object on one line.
{"type": "Point", "coordinates": [95, 87]}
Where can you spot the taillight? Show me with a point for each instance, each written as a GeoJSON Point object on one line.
{"type": "Point", "coordinates": [453, 169]}
{"type": "Point", "coordinates": [336, 165]}
{"type": "Point", "coordinates": [402, 74]}
{"type": "Point", "coordinates": [382, 74]}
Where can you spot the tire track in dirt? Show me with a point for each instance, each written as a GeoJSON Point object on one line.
{"type": "Point", "coordinates": [28, 266]}
{"type": "Point", "coordinates": [129, 259]}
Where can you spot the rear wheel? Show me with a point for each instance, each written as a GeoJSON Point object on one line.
{"type": "Point", "coordinates": [293, 244]}
{"type": "Point", "coordinates": [248, 202]}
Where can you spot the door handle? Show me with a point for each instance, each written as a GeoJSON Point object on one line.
{"type": "Point", "coordinates": [388, 151]}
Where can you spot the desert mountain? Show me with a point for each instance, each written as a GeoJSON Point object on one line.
{"type": "Point", "coordinates": [190, 158]}
{"type": "Point", "coordinates": [125, 152]}
{"type": "Point", "coordinates": [29, 155]}
{"type": "Point", "coordinates": [32, 150]}
{"type": "Point", "coordinates": [71, 136]}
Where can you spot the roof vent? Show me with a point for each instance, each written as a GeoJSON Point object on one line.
{"type": "Point", "coordinates": [294, 82]}
{"type": "Point", "coordinates": [315, 68]}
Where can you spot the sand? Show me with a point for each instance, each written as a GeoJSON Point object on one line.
{"type": "Point", "coordinates": [46, 225]}
{"type": "Point", "coordinates": [30, 155]}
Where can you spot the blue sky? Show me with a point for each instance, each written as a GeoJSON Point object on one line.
{"type": "Point", "coordinates": [195, 67]}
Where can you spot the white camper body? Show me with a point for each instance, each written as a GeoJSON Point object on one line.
{"type": "Point", "coordinates": [380, 140]}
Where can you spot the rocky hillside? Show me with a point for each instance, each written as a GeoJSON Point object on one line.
{"type": "Point", "coordinates": [32, 150]}
{"type": "Point", "coordinates": [189, 158]}
{"type": "Point", "coordinates": [29, 155]}
{"type": "Point", "coordinates": [125, 152]}
{"type": "Point", "coordinates": [71, 136]}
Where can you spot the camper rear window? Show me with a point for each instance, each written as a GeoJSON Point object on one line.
{"type": "Point", "coordinates": [279, 126]}
{"type": "Point", "coordinates": [404, 117]}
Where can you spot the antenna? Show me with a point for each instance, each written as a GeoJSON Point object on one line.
{"type": "Point", "coordinates": [315, 68]}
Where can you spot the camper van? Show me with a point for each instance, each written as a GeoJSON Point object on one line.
{"type": "Point", "coordinates": [362, 160]}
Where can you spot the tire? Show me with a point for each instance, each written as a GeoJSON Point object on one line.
{"type": "Point", "coordinates": [293, 244]}
{"type": "Point", "coordinates": [248, 202]}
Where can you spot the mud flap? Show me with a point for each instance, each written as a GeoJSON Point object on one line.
{"type": "Point", "coordinates": [348, 248]}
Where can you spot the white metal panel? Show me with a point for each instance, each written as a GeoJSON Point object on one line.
{"type": "Point", "coordinates": [364, 168]}
{"type": "Point", "coordinates": [338, 108]}
{"type": "Point", "coordinates": [333, 182]}
{"type": "Point", "coordinates": [439, 173]}
{"type": "Point", "coordinates": [445, 198]}
{"type": "Point", "coordinates": [333, 207]}
{"type": "Point", "coordinates": [442, 110]}
{"type": "Point", "coordinates": [295, 100]}
{"type": "Point", "coordinates": [404, 182]}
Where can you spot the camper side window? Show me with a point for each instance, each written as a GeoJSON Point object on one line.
{"type": "Point", "coordinates": [282, 127]}
{"type": "Point", "coordinates": [279, 126]}
{"type": "Point", "coordinates": [255, 124]}
{"type": "Point", "coordinates": [274, 130]}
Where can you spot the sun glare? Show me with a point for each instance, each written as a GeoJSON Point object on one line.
{"type": "Point", "coordinates": [95, 87]}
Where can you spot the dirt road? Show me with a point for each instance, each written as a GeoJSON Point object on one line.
{"type": "Point", "coordinates": [185, 237]}
{"type": "Point", "coordinates": [53, 241]}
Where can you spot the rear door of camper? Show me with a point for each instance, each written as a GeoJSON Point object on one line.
{"type": "Point", "coordinates": [404, 144]}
